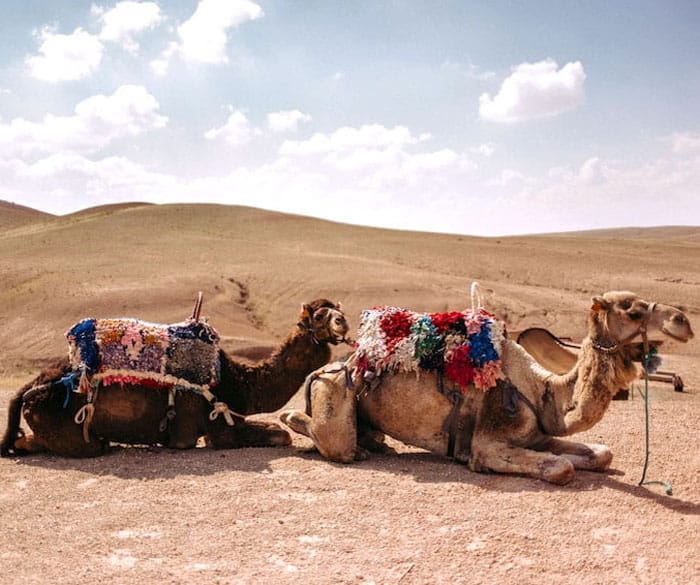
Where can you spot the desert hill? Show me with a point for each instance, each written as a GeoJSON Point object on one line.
{"type": "Point", "coordinates": [257, 267]}
{"type": "Point", "coordinates": [13, 215]}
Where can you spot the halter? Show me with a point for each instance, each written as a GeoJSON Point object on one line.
{"type": "Point", "coordinates": [350, 385]}
{"type": "Point", "coordinates": [642, 330]}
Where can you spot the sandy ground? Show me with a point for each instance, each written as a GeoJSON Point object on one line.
{"type": "Point", "coordinates": [142, 515]}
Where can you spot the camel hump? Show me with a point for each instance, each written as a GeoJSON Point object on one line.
{"type": "Point", "coordinates": [131, 348]}
{"type": "Point", "coordinates": [465, 346]}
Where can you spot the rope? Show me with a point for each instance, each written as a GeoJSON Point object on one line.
{"type": "Point", "coordinates": [84, 417]}
{"type": "Point", "coordinates": [222, 408]}
{"type": "Point", "coordinates": [642, 481]}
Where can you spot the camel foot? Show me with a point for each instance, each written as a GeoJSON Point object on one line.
{"type": "Point", "coordinates": [586, 456]}
{"type": "Point", "coordinates": [30, 444]}
{"type": "Point", "coordinates": [298, 421]}
{"type": "Point", "coordinates": [21, 445]}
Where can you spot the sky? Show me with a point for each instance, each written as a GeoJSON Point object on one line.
{"type": "Point", "coordinates": [478, 118]}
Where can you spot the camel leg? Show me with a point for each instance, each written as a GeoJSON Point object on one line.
{"type": "Point", "coordinates": [298, 421]}
{"type": "Point", "coordinates": [591, 456]}
{"type": "Point", "coordinates": [245, 433]}
{"type": "Point", "coordinates": [53, 427]}
{"type": "Point", "coordinates": [27, 444]}
{"type": "Point", "coordinates": [503, 458]}
{"type": "Point", "coordinates": [188, 425]}
{"type": "Point", "coordinates": [58, 434]}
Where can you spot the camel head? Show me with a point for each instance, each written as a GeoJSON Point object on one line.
{"type": "Point", "coordinates": [325, 320]}
{"type": "Point", "coordinates": [621, 317]}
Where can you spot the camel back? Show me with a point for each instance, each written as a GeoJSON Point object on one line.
{"type": "Point", "coordinates": [464, 346]}
{"type": "Point", "coordinates": [133, 351]}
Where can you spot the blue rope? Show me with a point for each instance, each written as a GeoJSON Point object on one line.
{"type": "Point", "coordinates": [71, 385]}
{"type": "Point", "coordinates": [669, 490]}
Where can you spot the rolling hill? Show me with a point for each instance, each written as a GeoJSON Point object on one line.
{"type": "Point", "coordinates": [257, 267]}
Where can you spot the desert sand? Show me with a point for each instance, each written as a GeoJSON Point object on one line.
{"type": "Point", "coordinates": [151, 514]}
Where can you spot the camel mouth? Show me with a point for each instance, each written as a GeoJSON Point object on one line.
{"type": "Point", "coordinates": [677, 337]}
{"type": "Point", "coordinates": [337, 339]}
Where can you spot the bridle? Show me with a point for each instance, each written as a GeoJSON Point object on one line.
{"type": "Point", "coordinates": [350, 385]}
{"type": "Point", "coordinates": [642, 330]}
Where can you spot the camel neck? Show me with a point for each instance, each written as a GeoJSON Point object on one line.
{"type": "Point", "coordinates": [600, 375]}
{"type": "Point", "coordinates": [268, 385]}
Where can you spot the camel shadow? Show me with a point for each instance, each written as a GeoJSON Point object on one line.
{"type": "Point", "coordinates": [592, 480]}
{"type": "Point", "coordinates": [150, 463]}
{"type": "Point", "coordinates": [428, 468]}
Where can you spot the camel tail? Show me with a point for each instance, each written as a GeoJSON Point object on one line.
{"type": "Point", "coordinates": [13, 431]}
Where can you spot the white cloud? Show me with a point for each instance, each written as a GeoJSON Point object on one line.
{"type": "Point", "coordinates": [126, 19]}
{"type": "Point", "coordinates": [71, 181]}
{"type": "Point", "coordinates": [535, 90]}
{"type": "Point", "coordinates": [286, 121]}
{"type": "Point", "coordinates": [370, 136]}
{"type": "Point", "coordinates": [203, 37]}
{"type": "Point", "coordinates": [237, 131]}
{"type": "Point", "coordinates": [65, 57]}
{"type": "Point", "coordinates": [98, 120]}
{"type": "Point", "coordinates": [685, 142]}
{"type": "Point", "coordinates": [376, 158]}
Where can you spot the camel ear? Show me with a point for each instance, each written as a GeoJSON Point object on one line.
{"type": "Point", "coordinates": [306, 312]}
{"type": "Point", "coordinates": [339, 306]}
{"type": "Point", "coordinates": [598, 304]}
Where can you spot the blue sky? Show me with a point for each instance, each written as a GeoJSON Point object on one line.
{"type": "Point", "coordinates": [482, 118]}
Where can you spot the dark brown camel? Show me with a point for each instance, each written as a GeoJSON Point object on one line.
{"type": "Point", "coordinates": [133, 414]}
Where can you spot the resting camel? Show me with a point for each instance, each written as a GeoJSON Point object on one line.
{"type": "Point", "coordinates": [132, 412]}
{"type": "Point", "coordinates": [514, 425]}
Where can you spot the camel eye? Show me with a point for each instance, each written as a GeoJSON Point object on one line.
{"type": "Point", "coordinates": [317, 317]}
{"type": "Point", "coordinates": [624, 305]}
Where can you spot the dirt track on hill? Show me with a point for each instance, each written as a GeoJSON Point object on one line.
{"type": "Point", "coordinates": [141, 515]}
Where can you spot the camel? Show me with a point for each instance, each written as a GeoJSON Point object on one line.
{"type": "Point", "coordinates": [513, 424]}
{"type": "Point", "coordinates": [132, 412]}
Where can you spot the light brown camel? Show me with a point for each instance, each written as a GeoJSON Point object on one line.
{"type": "Point", "coordinates": [132, 413]}
{"type": "Point", "coordinates": [514, 426]}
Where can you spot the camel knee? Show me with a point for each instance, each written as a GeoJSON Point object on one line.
{"type": "Point", "coordinates": [557, 470]}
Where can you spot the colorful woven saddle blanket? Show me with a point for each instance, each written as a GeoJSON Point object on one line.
{"type": "Point", "coordinates": [133, 351]}
{"type": "Point", "coordinates": [465, 347]}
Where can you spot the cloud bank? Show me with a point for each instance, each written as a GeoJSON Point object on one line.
{"type": "Point", "coordinates": [535, 90]}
